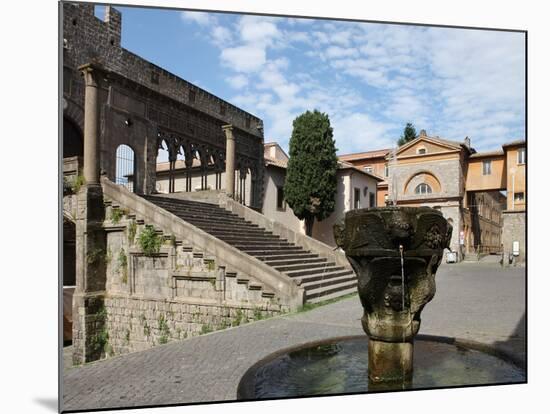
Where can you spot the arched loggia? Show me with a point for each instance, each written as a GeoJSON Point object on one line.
{"type": "Point", "coordinates": [125, 166]}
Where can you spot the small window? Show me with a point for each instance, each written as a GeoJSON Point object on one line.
{"type": "Point", "coordinates": [281, 205]}
{"type": "Point", "coordinates": [356, 198]}
{"type": "Point", "coordinates": [519, 196]}
{"type": "Point", "coordinates": [486, 167]}
{"type": "Point", "coordinates": [372, 201]}
{"type": "Point", "coordinates": [386, 171]}
{"type": "Point", "coordinates": [368, 169]}
{"type": "Point", "coordinates": [423, 189]}
{"type": "Point", "coordinates": [192, 95]}
{"type": "Point", "coordinates": [521, 156]}
{"type": "Point", "coordinates": [421, 151]}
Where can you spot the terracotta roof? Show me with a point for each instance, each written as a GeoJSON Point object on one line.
{"type": "Point", "coordinates": [366, 154]}
{"type": "Point", "coordinates": [516, 142]}
{"type": "Point", "coordinates": [274, 162]}
{"type": "Point", "coordinates": [342, 165]}
{"type": "Point", "coordinates": [487, 154]}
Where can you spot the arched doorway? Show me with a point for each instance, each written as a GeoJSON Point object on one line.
{"type": "Point", "coordinates": [125, 167]}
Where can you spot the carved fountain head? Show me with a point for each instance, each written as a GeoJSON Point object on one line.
{"type": "Point", "coordinates": [395, 252]}
{"type": "Point", "coordinates": [372, 239]}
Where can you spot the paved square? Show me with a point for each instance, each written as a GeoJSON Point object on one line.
{"type": "Point", "coordinates": [476, 301]}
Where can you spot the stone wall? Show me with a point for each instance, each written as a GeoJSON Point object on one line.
{"type": "Point", "coordinates": [140, 104]}
{"type": "Point", "coordinates": [448, 172]}
{"type": "Point", "coordinates": [135, 324]}
{"type": "Point", "coordinates": [88, 38]}
{"type": "Point", "coordinates": [513, 229]}
{"type": "Point", "coordinates": [174, 294]}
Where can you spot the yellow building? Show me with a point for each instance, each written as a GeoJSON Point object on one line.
{"type": "Point", "coordinates": [482, 194]}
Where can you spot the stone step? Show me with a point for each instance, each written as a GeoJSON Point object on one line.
{"type": "Point", "coordinates": [269, 252]}
{"type": "Point", "coordinates": [245, 238]}
{"type": "Point", "coordinates": [214, 220]}
{"type": "Point", "coordinates": [320, 278]}
{"type": "Point", "coordinates": [333, 295]}
{"type": "Point", "coordinates": [293, 256]}
{"type": "Point", "coordinates": [285, 261]}
{"type": "Point", "coordinates": [324, 276]}
{"type": "Point", "coordinates": [230, 233]}
{"type": "Point", "coordinates": [323, 271]}
{"type": "Point", "coordinates": [322, 292]}
{"type": "Point", "coordinates": [180, 201]}
{"type": "Point", "coordinates": [302, 266]}
{"type": "Point", "coordinates": [222, 225]}
{"type": "Point", "coordinates": [310, 286]}
{"type": "Point", "coordinates": [193, 209]}
{"type": "Point", "coordinates": [243, 245]}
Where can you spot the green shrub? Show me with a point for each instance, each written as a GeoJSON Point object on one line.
{"type": "Point", "coordinates": [149, 241]}
{"type": "Point", "coordinates": [116, 215]}
{"type": "Point", "coordinates": [78, 182]}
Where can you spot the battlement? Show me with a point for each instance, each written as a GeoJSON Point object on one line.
{"type": "Point", "coordinates": [87, 38]}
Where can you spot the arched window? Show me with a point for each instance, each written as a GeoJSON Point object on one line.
{"type": "Point", "coordinates": [423, 189]}
{"type": "Point", "coordinates": [125, 163]}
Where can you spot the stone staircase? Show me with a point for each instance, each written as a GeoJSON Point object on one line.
{"type": "Point", "coordinates": [320, 278]}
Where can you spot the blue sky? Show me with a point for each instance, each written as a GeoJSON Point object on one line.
{"type": "Point", "coordinates": [370, 78]}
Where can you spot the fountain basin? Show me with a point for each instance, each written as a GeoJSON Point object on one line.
{"type": "Point", "coordinates": [340, 366]}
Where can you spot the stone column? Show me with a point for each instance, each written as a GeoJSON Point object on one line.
{"type": "Point", "coordinates": [91, 124]}
{"type": "Point", "coordinates": [88, 298]}
{"type": "Point", "coordinates": [229, 160]}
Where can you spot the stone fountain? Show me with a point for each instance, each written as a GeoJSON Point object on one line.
{"type": "Point", "coordinates": [395, 252]}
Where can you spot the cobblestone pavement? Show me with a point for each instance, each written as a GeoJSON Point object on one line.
{"type": "Point", "coordinates": [480, 302]}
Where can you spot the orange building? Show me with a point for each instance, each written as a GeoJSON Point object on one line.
{"type": "Point", "coordinates": [482, 194]}
{"type": "Point", "coordinates": [373, 162]}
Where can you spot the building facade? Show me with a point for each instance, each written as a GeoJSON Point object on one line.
{"type": "Point", "coordinates": [482, 194]}
{"type": "Point", "coordinates": [356, 188]}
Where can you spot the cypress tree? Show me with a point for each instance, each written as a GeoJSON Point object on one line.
{"type": "Point", "coordinates": [409, 133]}
{"type": "Point", "coordinates": [310, 184]}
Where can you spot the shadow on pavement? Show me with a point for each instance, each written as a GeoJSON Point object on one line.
{"type": "Point", "coordinates": [516, 344]}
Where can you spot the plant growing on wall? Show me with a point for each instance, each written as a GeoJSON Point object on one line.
{"type": "Point", "coordinates": [132, 229]}
{"type": "Point", "coordinates": [116, 215]}
{"type": "Point", "coordinates": [310, 184]}
{"type": "Point", "coordinates": [164, 329]}
{"type": "Point", "coordinates": [78, 182]}
{"type": "Point", "coordinates": [149, 241]}
{"type": "Point", "coordinates": [123, 264]}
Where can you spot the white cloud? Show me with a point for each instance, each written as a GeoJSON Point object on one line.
{"type": "Point", "coordinates": [338, 52]}
{"type": "Point", "coordinates": [221, 36]}
{"type": "Point", "coordinates": [258, 30]}
{"type": "Point", "coordinates": [237, 81]}
{"type": "Point", "coordinates": [373, 78]}
{"type": "Point", "coordinates": [247, 58]}
{"type": "Point", "coordinates": [357, 132]}
{"type": "Point", "coordinates": [201, 18]}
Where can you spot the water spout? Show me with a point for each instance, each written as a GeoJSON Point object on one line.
{"type": "Point", "coordinates": [393, 286]}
